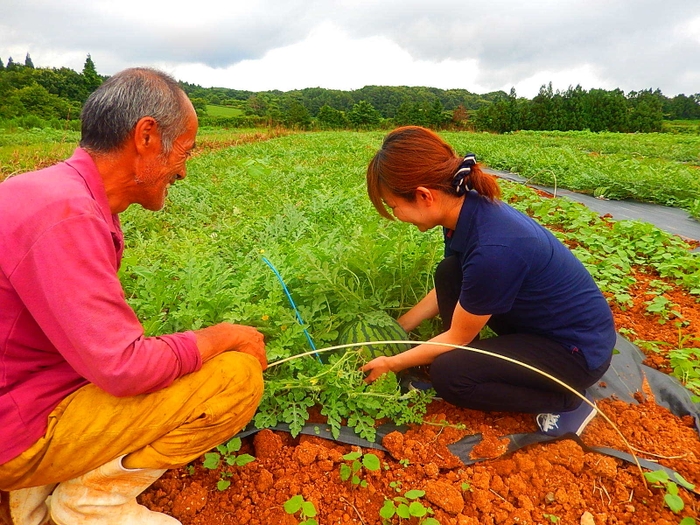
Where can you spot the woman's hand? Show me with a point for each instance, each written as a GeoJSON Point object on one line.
{"type": "Point", "coordinates": [377, 367]}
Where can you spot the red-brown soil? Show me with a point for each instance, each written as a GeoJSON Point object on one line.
{"type": "Point", "coordinates": [548, 483]}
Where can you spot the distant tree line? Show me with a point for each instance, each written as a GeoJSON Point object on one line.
{"type": "Point", "coordinates": [367, 108]}
{"type": "Point", "coordinates": [30, 96]}
{"type": "Point", "coordinates": [40, 96]}
{"type": "Point", "coordinates": [385, 106]}
{"type": "Point", "coordinates": [595, 110]}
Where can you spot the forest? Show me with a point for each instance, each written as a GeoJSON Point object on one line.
{"type": "Point", "coordinates": [35, 97]}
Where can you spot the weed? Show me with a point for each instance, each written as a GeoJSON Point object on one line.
{"type": "Point", "coordinates": [227, 452]}
{"type": "Point", "coordinates": [306, 509]}
{"type": "Point", "coordinates": [407, 507]}
{"type": "Point", "coordinates": [660, 479]}
{"type": "Point", "coordinates": [357, 462]}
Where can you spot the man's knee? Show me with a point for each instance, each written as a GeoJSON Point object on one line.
{"type": "Point", "coordinates": [240, 378]}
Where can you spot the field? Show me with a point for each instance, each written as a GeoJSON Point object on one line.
{"type": "Point", "coordinates": [223, 111]}
{"type": "Point", "coordinates": [299, 201]}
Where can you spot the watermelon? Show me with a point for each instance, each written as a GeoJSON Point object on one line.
{"type": "Point", "coordinates": [373, 328]}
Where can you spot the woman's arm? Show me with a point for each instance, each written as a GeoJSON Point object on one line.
{"type": "Point", "coordinates": [465, 327]}
{"type": "Point", "coordinates": [426, 308]}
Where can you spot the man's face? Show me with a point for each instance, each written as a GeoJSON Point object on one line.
{"type": "Point", "coordinates": [157, 172]}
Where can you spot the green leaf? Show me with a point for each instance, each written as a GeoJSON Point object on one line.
{"type": "Point", "coordinates": [371, 462]}
{"type": "Point", "coordinates": [388, 509]}
{"type": "Point", "coordinates": [345, 472]}
{"type": "Point", "coordinates": [402, 511]}
{"type": "Point", "coordinates": [234, 445]}
{"type": "Point", "coordinates": [244, 459]}
{"type": "Point", "coordinates": [223, 484]}
{"type": "Point", "coordinates": [430, 521]}
{"type": "Point", "coordinates": [415, 494]}
{"type": "Point", "coordinates": [674, 502]}
{"type": "Point", "coordinates": [211, 460]}
{"type": "Point", "coordinates": [684, 482]}
{"type": "Point", "coordinates": [657, 476]}
{"type": "Point", "coordinates": [417, 509]}
{"type": "Point", "coordinates": [350, 456]}
{"type": "Point", "coordinates": [687, 521]}
{"type": "Point", "coordinates": [293, 504]}
{"type": "Point", "coordinates": [308, 509]}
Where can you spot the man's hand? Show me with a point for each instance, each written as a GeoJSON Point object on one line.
{"type": "Point", "coordinates": [224, 337]}
{"type": "Point", "coordinates": [376, 367]}
{"type": "Point", "coordinates": [250, 341]}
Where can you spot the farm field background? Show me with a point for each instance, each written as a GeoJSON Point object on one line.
{"type": "Point", "coordinates": [299, 200]}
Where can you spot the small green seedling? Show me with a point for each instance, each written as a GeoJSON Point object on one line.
{"type": "Point", "coordinates": [358, 460]}
{"type": "Point", "coordinates": [661, 480]}
{"type": "Point", "coordinates": [404, 462]}
{"type": "Point", "coordinates": [228, 450]}
{"type": "Point", "coordinates": [466, 487]}
{"type": "Point", "coordinates": [306, 509]}
{"type": "Point", "coordinates": [407, 507]}
{"type": "Point", "coordinates": [396, 485]}
{"type": "Point", "coordinates": [552, 518]}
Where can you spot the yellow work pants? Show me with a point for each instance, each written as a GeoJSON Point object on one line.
{"type": "Point", "coordinates": [161, 430]}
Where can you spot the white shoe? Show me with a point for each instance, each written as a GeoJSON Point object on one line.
{"type": "Point", "coordinates": [26, 506]}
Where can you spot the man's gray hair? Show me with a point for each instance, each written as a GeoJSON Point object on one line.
{"type": "Point", "coordinates": [113, 109]}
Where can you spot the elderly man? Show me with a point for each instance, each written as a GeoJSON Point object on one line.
{"type": "Point", "coordinates": [90, 408]}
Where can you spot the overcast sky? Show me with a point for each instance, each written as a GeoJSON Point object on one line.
{"type": "Point", "coordinates": [259, 45]}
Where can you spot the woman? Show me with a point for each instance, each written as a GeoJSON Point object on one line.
{"type": "Point", "coordinates": [501, 269]}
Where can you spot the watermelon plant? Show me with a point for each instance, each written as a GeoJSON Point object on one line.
{"type": "Point", "coordinates": [200, 261]}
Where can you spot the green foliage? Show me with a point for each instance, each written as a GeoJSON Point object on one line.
{"type": "Point", "coordinates": [331, 118]}
{"type": "Point", "coordinates": [306, 509]}
{"type": "Point", "coordinates": [300, 201]}
{"type": "Point", "coordinates": [45, 93]}
{"type": "Point", "coordinates": [406, 507]}
{"type": "Point", "coordinates": [577, 109]}
{"type": "Point", "coordinates": [363, 115]}
{"type": "Point", "coordinates": [91, 78]}
{"type": "Point", "coordinates": [660, 479]}
{"type": "Point", "coordinates": [654, 167]}
{"type": "Point", "coordinates": [357, 461]}
{"type": "Point", "coordinates": [228, 453]}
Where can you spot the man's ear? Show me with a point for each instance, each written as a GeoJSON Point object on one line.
{"type": "Point", "coordinates": [146, 135]}
{"type": "Point", "coordinates": [425, 195]}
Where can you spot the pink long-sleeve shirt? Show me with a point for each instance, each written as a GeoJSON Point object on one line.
{"type": "Point", "coordinates": [64, 320]}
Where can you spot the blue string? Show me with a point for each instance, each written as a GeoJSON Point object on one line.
{"type": "Point", "coordinates": [294, 306]}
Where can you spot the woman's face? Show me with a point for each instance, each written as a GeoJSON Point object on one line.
{"type": "Point", "coordinates": [416, 212]}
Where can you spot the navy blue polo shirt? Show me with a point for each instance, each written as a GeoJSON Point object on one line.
{"type": "Point", "coordinates": [516, 271]}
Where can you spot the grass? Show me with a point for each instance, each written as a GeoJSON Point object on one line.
{"type": "Point", "coordinates": [223, 111]}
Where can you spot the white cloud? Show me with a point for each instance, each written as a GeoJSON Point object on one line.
{"type": "Point", "coordinates": [329, 58]}
{"type": "Point", "coordinates": [345, 44]}
{"type": "Point", "coordinates": [690, 30]}
{"type": "Point", "coordinates": [587, 76]}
